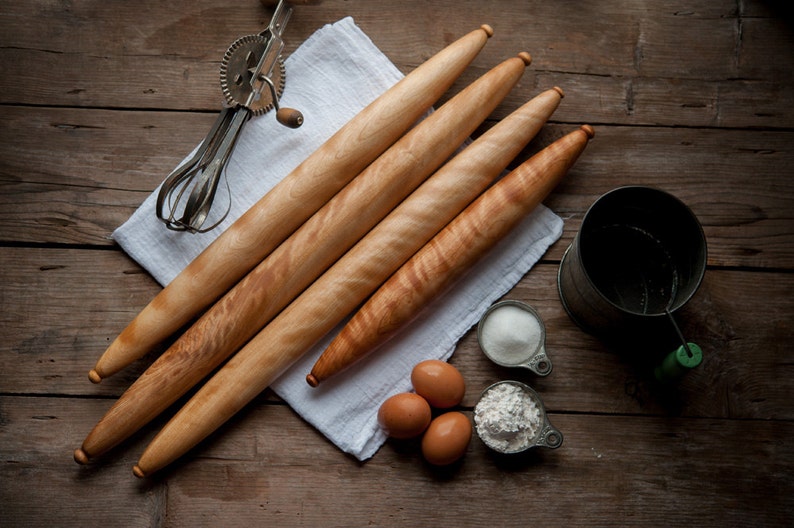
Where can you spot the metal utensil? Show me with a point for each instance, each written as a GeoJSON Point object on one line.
{"type": "Point", "coordinates": [252, 77]}
{"type": "Point", "coordinates": [516, 434]}
{"type": "Point", "coordinates": [532, 355]}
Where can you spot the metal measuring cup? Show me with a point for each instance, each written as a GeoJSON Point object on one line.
{"type": "Point", "coordinates": [533, 357]}
{"type": "Point", "coordinates": [545, 434]}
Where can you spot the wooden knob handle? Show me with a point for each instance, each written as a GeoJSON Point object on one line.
{"type": "Point", "coordinates": [289, 117]}
{"type": "Point", "coordinates": [81, 457]}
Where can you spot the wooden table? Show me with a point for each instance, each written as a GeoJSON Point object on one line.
{"type": "Point", "coordinates": [100, 100]}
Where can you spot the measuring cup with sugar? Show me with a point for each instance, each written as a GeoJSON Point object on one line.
{"type": "Point", "coordinates": [512, 334]}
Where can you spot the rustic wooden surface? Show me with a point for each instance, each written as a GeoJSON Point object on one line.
{"type": "Point", "coordinates": [99, 100]}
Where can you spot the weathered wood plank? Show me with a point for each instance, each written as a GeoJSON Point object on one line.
{"type": "Point", "coordinates": [60, 308]}
{"type": "Point", "coordinates": [99, 100]}
{"type": "Point", "coordinates": [59, 312]}
{"type": "Point", "coordinates": [592, 480]}
{"type": "Point", "coordinates": [730, 179]}
{"type": "Point", "coordinates": [655, 62]}
{"type": "Point", "coordinates": [72, 176]}
{"type": "Point", "coordinates": [692, 471]}
{"type": "Point", "coordinates": [741, 320]}
{"type": "Point", "coordinates": [42, 485]}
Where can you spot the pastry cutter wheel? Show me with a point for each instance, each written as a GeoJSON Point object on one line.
{"type": "Point", "coordinates": [252, 80]}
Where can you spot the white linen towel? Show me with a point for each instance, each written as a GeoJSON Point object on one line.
{"type": "Point", "coordinates": [330, 78]}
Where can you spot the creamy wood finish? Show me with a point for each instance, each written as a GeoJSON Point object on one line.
{"type": "Point", "coordinates": [282, 210]}
{"type": "Point", "coordinates": [337, 292]}
{"type": "Point", "coordinates": [439, 264]}
{"type": "Point", "coordinates": [300, 259]}
{"type": "Point", "coordinates": [100, 100]}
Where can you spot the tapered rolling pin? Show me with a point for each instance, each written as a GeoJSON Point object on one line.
{"type": "Point", "coordinates": [285, 207]}
{"type": "Point", "coordinates": [291, 267]}
{"type": "Point", "coordinates": [345, 285]}
{"type": "Point", "coordinates": [450, 254]}
{"type": "Point", "coordinates": [500, 144]}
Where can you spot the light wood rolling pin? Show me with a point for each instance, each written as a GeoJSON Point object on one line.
{"type": "Point", "coordinates": [344, 286]}
{"type": "Point", "coordinates": [285, 207]}
{"type": "Point", "coordinates": [474, 170]}
{"type": "Point", "coordinates": [451, 253]}
{"type": "Point", "coordinates": [303, 257]}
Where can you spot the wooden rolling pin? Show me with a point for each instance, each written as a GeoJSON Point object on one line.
{"type": "Point", "coordinates": [450, 254]}
{"type": "Point", "coordinates": [291, 267]}
{"type": "Point", "coordinates": [486, 154]}
{"type": "Point", "coordinates": [344, 286]}
{"type": "Point", "coordinates": [282, 210]}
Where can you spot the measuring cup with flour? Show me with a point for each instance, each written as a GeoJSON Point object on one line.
{"type": "Point", "coordinates": [512, 334]}
{"type": "Point", "coordinates": [510, 418]}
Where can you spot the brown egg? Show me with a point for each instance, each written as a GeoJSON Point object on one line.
{"type": "Point", "coordinates": [446, 439]}
{"type": "Point", "coordinates": [404, 415]}
{"type": "Point", "coordinates": [439, 383]}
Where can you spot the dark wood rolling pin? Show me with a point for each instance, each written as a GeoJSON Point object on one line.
{"type": "Point", "coordinates": [290, 203]}
{"type": "Point", "coordinates": [304, 256]}
{"type": "Point", "coordinates": [344, 286]}
{"type": "Point", "coordinates": [450, 254]}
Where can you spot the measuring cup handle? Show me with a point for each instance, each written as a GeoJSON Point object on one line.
{"type": "Point", "coordinates": [550, 437]}
{"type": "Point", "coordinates": [540, 363]}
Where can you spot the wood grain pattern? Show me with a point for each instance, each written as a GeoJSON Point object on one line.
{"type": "Point", "coordinates": [290, 203]}
{"type": "Point", "coordinates": [254, 473]}
{"type": "Point", "coordinates": [41, 354]}
{"type": "Point", "coordinates": [335, 294]}
{"type": "Point", "coordinates": [412, 225]}
{"type": "Point", "coordinates": [77, 195]}
{"type": "Point", "coordinates": [299, 260]}
{"type": "Point", "coordinates": [445, 259]}
{"type": "Point", "coordinates": [100, 100]}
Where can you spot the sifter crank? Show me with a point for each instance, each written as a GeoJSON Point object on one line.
{"type": "Point", "coordinates": [252, 77]}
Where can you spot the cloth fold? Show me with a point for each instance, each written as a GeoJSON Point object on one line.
{"type": "Point", "coordinates": [331, 77]}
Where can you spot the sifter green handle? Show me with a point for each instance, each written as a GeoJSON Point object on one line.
{"type": "Point", "coordinates": [679, 362]}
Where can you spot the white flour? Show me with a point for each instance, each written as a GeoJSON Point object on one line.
{"type": "Point", "coordinates": [507, 418]}
{"type": "Point", "coordinates": [510, 335]}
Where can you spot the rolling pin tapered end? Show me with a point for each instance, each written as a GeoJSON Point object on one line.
{"type": "Point", "coordinates": [138, 472]}
{"type": "Point", "coordinates": [312, 380]}
{"type": "Point", "coordinates": [94, 376]}
{"type": "Point", "coordinates": [587, 129]}
{"type": "Point", "coordinates": [488, 30]}
{"type": "Point", "coordinates": [80, 456]}
{"type": "Point", "coordinates": [559, 91]}
{"type": "Point", "coordinates": [526, 57]}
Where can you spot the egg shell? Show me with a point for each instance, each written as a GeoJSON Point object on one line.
{"type": "Point", "coordinates": [440, 383]}
{"type": "Point", "coordinates": [447, 438]}
{"type": "Point", "coordinates": [404, 415]}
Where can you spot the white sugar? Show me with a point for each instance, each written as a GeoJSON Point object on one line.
{"type": "Point", "coordinates": [510, 334]}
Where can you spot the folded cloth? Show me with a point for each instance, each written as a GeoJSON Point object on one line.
{"type": "Point", "coordinates": [331, 77]}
